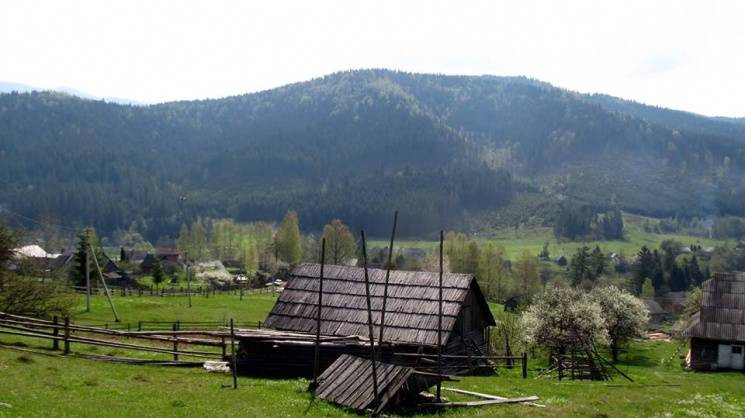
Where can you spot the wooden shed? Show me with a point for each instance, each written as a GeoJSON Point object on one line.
{"type": "Point", "coordinates": [717, 331]}
{"type": "Point", "coordinates": [411, 318]}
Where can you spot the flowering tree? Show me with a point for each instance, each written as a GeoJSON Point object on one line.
{"type": "Point", "coordinates": [625, 315]}
{"type": "Point", "coordinates": [560, 318]}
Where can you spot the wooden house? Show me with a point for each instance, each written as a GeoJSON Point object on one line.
{"type": "Point", "coordinates": [411, 313]}
{"type": "Point", "coordinates": [717, 331]}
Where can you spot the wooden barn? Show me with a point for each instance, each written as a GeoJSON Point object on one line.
{"type": "Point", "coordinates": [411, 317]}
{"type": "Point", "coordinates": [717, 331]}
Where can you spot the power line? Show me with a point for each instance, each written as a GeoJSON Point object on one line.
{"type": "Point", "coordinates": [36, 221]}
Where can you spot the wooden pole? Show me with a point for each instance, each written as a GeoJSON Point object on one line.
{"type": "Point", "coordinates": [232, 351]}
{"type": "Point", "coordinates": [103, 283]}
{"type": "Point", "coordinates": [439, 326]}
{"type": "Point", "coordinates": [370, 324]}
{"type": "Point", "coordinates": [55, 332]}
{"type": "Point", "coordinates": [87, 275]}
{"type": "Point", "coordinates": [317, 358]}
{"type": "Point", "coordinates": [387, 276]}
{"type": "Point", "coordinates": [525, 365]}
{"type": "Point", "coordinates": [67, 335]}
{"type": "Point", "coordinates": [175, 343]}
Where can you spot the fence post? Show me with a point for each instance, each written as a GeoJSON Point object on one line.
{"type": "Point", "coordinates": [259, 324]}
{"type": "Point", "coordinates": [175, 343]}
{"type": "Point", "coordinates": [139, 325]}
{"type": "Point", "coordinates": [67, 335]}
{"type": "Point", "coordinates": [525, 365]}
{"type": "Point", "coordinates": [224, 347]}
{"type": "Point", "coordinates": [55, 332]}
{"type": "Point", "coordinates": [232, 350]}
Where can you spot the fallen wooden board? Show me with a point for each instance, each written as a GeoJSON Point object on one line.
{"type": "Point", "coordinates": [487, 396]}
{"type": "Point", "coordinates": [482, 403]}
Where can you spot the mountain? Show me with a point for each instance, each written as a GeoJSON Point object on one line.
{"type": "Point", "coordinates": [448, 151]}
{"type": "Point", "coordinates": [9, 87]}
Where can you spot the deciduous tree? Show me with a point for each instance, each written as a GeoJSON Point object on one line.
{"type": "Point", "coordinates": [340, 243]}
{"type": "Point", "coordinates": [624, 316]}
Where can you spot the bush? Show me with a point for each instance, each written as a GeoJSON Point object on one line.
{"type": "Point", "coordinates": [31, 297]}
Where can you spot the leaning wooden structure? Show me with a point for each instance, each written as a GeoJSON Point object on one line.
{"type": "Point", "coordinates": [411, 321]}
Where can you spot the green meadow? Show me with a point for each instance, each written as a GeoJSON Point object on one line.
{"type": "Point", "coordinates": [44, 383]}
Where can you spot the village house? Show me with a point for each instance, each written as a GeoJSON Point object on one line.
{"type": "Point", "coordinates": [717, 331]}
{"type": "Point", "coordinates": [411, 317]}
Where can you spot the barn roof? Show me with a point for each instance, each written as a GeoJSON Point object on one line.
{"type": "Point", "coordinates": [411, 308]}
{"type": "Point", "coordinates": [722, 314]}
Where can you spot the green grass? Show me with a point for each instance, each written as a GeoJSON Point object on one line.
{"type": "Point", "coordinates": [515, 241]}
{"type": "Point", "coordinates": [171, 308]}
{"type": "Point", "coordinates": [42, 385]}
{"type": "Point", "coordinates": [52, 385]}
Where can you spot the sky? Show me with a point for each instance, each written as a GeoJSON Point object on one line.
{"type": "Point", "coordinates": [687, 55]}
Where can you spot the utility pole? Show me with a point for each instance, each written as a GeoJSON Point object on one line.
{"type": "Point", "coordinates": [87, 272]}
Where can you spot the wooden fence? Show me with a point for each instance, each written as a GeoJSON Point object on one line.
{"type": "Point", "coordinates": [205, 291]}
{"type": "Point", "coordinates": [65, 332]}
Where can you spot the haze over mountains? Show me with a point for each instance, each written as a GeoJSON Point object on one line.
{"type": "Point", "coordinates": [10, 87]}
{"type": "Point", "coordinates": [448, 151]}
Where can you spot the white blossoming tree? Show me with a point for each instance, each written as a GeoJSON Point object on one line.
{"type": "Point", "coordinates": [625, 316]}
{"type": "Point", "coordinates": [562, 318]}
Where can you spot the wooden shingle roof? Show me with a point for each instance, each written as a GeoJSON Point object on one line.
{"type": "Point", "coordinates": [722, 314]}
{"type": "Point", "coordinates": [348, 381]}
{"type": "Point", "coordinates": [411, 308]}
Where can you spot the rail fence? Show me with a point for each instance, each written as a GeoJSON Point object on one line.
{"type": "Point", "coordinates": [62, 331]}
{"type": "Point", "coordinates": [205, 291]}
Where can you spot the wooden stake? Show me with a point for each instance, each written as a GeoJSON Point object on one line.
{"type": "Point", "coordinates": [317, 358]}
{"type": "Point", "coordinates": [387, 276]}
{"type": "Point", "coordinates": [525, 365]}
{"type": "Point", "coordinates": [439, 326]}
{"type": "Point", "coordinates": [103, 282]}
{"type": "Point", "coordinates": [67, 335]}
{"type": "Point", "coordinates": [175, 343]}
{"type": "Point", "coordinates": [55, 332]}
{"type": "Point", "coordinates": [370, 324]}
{"type": "Point", "coordinates": [232, 351]}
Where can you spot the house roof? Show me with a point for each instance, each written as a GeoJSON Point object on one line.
{"type": "Point", "coordinates": [34, 251]}
{"type": "Point", "coordinates": [722, 314]}
{"type": "Point", "coordinates": [653, 307]}
{"type": "Point", "coordinates": [411, 308]}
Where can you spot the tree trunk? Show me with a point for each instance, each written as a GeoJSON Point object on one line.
{"type": "Point", "coordinates": [614, 349]}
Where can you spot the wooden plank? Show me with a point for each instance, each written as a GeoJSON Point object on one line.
{"type": "Point", "coordinates": [328, 378]}
{"type": "Point", "coordinates": [393, 388]}
{"type": "Point", "coordinates": [356, 383]}
{"type": "Point", "coordinates": [487, 396]}
{"type": "Point", "coordinates": [482, 403]}
{"type": "Point", "coordinates": [337, 388]}
{"type": "Point", "coordinates": [364, 399]}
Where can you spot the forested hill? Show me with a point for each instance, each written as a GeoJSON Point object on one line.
{"type": "Point", "coordinates": [445, 150]}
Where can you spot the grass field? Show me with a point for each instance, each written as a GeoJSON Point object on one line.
{"type": "Point", "coordinates": [515, 241]}
{"type": "Point", "coordinates": [218, 307]}
{"type": "Point", "coordinates": [51, 385]}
